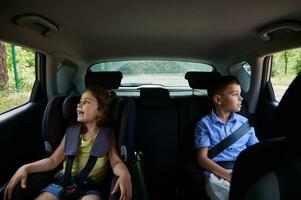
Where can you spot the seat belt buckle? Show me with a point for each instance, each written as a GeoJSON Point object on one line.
{"type": "Point", "coordinates": [71, 192]}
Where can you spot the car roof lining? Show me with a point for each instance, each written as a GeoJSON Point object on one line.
{"type": "Point", "coordinates": [212, 32]}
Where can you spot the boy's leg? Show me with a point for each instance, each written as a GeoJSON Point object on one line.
{"type": "Point", "coordinates": [216, 188]}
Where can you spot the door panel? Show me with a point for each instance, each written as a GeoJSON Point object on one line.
{"type": "Point", "coordinates": [266, 108]}
{"type": "Point", "coordinates": [20, 137]}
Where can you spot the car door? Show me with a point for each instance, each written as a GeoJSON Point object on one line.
{"type": "Point", "coordinates": [20, 123]}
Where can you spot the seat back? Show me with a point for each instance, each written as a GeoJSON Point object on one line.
{"type": "Point", "coordinates": [156, 136]}
{"type": "Point", "coordinates": [190, 110]}
{"type": "Point", "coordinates": [275, 170]}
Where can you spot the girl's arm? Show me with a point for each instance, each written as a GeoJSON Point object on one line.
{"type": "Point", "coordinates": [120, 170]}
{"type": "Point", "coordinates": [212, 166]}
{"type": "Point", "coordinates": [49, 163]}
{"type": "Point", "coordinates": [42, 165]}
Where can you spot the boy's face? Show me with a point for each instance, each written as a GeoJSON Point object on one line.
{"type": "Point", "coordinates": [229, 100]}
{"type": "Point", "coordinates": [87, 109]}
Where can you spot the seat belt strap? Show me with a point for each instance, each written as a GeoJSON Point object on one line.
{"type": "Point", "coordinates": [83, 174]}
{"type": "Point", "coordinates": [100, 148]}
{"type": "Point", "coordinates": [68, 170]}
{"type": "Point", "coordinates": [229, 140]}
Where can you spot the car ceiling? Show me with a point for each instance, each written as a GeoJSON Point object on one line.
{"type": "Point", "coordinates": [214, 31]}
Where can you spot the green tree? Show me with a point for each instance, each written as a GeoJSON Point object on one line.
{"type": "Point", "coordinates": [3, 66]}
{"type": "Point", "coordinates": [25, 65]}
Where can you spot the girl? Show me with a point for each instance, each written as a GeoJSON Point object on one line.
{"type": "Point", "coordinates": [93, 112]}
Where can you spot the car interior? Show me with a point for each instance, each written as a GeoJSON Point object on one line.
{"type": "Point", "coordinates": [160, 57]}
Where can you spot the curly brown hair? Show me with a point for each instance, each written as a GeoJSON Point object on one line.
{"type": "Point", "coordinates": [105, 100]}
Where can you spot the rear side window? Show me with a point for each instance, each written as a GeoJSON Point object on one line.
{"type": "Point", "coordinates": [285, 67]}
{"type": "Point", "coordinates": [17, 75]}
{"type": "Point", "coordinates": [152, 72]}
{"type": "Point", "coordinates": [66, 72]}
{"type": "Point", "coordinates": [242, 71]}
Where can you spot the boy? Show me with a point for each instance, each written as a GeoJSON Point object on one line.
{"type": "Point", "coordinates": [213, 128]}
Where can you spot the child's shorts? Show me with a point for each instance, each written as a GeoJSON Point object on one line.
{"type": "Point", "coordinates": [57, 190]}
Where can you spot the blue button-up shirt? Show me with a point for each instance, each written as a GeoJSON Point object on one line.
{"type": "Point", "coordinates": [210, 130]}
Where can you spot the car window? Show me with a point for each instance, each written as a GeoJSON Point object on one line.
{"type": "Point", "coordinates": [152, 72]}
{"type": "Point", "coordinates": [247, 68]}
{"type": "Point", "coordinates": [66, 72]}
{"type": "Point", "coordinates": [17, 75]}
{"type": "Point", "coordinates": [242, 71]}
{"type": "Point", "coordinates": [285, 67]}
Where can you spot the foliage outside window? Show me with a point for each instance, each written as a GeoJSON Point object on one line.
{"type": "Point", "coordinates": [15, 81]}
{"type": "Point", "coordinates": [285, 67]}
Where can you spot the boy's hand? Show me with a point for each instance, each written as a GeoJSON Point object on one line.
{"type": "Point", "coordinates": [229, 176]}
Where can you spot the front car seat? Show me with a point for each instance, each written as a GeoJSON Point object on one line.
{"type": "Point", "coordinates": [272, 169]}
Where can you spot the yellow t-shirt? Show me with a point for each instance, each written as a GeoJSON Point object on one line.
{"type": "Point", "coordinates": [101, 166]}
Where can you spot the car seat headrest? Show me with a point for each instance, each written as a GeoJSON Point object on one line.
{"type": "Point", "coordinates": [286, 123]}
{"type": "Point", "coordinates": [106, 79]}
{"type": "Point", "coordinates": [154, 96]}
{"type": "Point", "coordinates": [69, 109]}
{"type": "Point", "coordinates": [201, 80]}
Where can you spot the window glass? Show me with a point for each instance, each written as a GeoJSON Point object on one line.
{"type": "Point", "coordinates": [17, 75]}
{"type": "Point", "coordinates": [152, 72]}
{"type": "Point", "coordinates": [285, 67]}
{"type": "Point", "coordinates": [242, 71]}
{"type": "Point", "coordinates": [247, 68]}
{"type": "Point", "coordinates": [66, 72]}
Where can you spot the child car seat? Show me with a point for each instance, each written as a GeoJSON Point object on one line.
{"type": "Point", "coordinates": [60, 112]}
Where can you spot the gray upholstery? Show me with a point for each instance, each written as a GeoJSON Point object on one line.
{"type": "Point", "coordinates": [266, 187]}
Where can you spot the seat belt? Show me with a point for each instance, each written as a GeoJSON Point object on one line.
{"type": "Point", "coordinates": [99, 149]}
{"type": "Point", "coordinates": [229, 140]}
{"type": "Point", "coordinates": [139, 185]}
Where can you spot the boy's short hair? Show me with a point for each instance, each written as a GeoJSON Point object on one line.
{"type": "Point", "coordinates": [221, 84]}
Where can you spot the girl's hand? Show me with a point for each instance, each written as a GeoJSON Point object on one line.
{"type": "Point", "coordinates": [125, 186]}
{"type": "Point", "coordinates": [20, 176]}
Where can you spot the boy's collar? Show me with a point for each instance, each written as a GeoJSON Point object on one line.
{"type": "Point", "coordinates": [215, 118]}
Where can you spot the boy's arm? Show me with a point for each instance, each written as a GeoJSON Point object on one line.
{"type": "Point", "coordinates": [210, 165]}
{"type": "Point", "coordinates": [252, 138]}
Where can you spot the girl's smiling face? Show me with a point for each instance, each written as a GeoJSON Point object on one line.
{"type": "Point", "coordinates": [88, 110]}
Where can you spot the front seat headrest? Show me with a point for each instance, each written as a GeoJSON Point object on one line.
{"type": "Point", "coordinates": [201, 80]}
{"type": "Point", "coordinates": [154, 97]}
{"type": "Point", "coordinates": [106, 79]}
